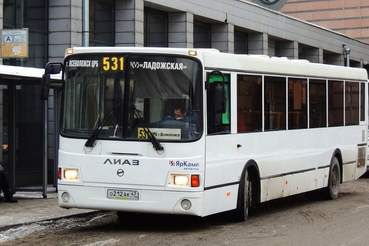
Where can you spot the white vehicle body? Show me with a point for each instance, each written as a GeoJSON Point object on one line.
{"type": "Point", "coordinates": [130, 174]}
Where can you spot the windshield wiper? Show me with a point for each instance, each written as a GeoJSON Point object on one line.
{"type": "Point", "coordinates": [91, 140]}
{"type": "Point", "coordinates": [155, 142]}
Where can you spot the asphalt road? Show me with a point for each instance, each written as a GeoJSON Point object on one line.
{"type": "Point", "coordinates": [291, 221]}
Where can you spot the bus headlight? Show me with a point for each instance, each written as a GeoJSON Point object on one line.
{"type": "Point", "coordinates": [180, 180]}
{"type": "Point", "coordinates": [70, 174]}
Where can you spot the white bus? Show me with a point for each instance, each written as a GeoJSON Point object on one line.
{"type": "Point", "coordinates": [199, 132]}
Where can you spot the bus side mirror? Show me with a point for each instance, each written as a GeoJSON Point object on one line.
{"type": "Point", "coordinates": [51, 68]}
{"type": "Point", "coordinates": [45, 86]}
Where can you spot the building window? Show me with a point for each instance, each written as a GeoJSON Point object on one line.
{"type": "Point", "coordinates": [202, 35]}
{"type": "Point", "coordinates": [156, 28]}
{"type": "Point", "coordinates": [32, 15]}
{"type": "Point", "coordinates": [240, 43]}
{"type": "Point", "coordinates": [102, 21]}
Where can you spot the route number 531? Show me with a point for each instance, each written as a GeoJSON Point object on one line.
{"type": "Point", "coordinates": [113, 63]}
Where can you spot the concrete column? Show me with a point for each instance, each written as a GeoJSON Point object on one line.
{"type": "Point", "coordinates": [258, 43]}
{"type": "Point", "coordinates": [129, 23]}
{"type": "Point", "coordinates": [271, 47]}
{"type": "Point", "coordinates": [321, 51]}
{"type": "Point", "coordinates": [65, 27]}
{"type": "Point", "coordinates": [180, 30]}
{"type": "Point", "coordinates": [222, 37]}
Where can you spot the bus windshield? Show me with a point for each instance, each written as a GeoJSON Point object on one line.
{"type": "Point", "coordinates": [123, 95]}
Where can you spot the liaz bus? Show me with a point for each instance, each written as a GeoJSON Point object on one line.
{"type": "Point", "coordinates": [199, 132]}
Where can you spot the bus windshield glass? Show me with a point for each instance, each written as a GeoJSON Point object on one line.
{"type": "Point", "coordinates": [121, 96]}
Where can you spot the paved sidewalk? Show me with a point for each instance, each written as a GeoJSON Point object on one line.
{"type": "Point", "coordinates": [32, 207]}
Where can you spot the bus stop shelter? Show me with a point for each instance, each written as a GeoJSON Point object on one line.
{"type": "Point", "coordinates": [28, 129]}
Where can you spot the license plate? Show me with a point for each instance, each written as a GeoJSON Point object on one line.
{"type": "Point", "coordinates": [124, 195]}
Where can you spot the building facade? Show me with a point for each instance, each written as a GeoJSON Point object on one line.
{"type": "Point", "coordinates": [345, 16]}
{"type": "Point", "coordinates": [233, 26]}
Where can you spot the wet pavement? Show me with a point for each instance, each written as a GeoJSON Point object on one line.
{"type": "Point", "coordinates": [32, 207]}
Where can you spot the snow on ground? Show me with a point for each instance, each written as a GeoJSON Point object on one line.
{"type": "Point", "coordinates": [24, 230]}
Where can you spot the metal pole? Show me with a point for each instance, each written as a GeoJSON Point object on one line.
{"type": "Point", "coordinates": [11, 137]}
{"type": "Point", "coordinates": [44, 162]}
{"type": "Point", "coordinates": [56, 136]}
{"type": "Point", "coordinates": [86, 23]}
{"type": "Point", "coordinates": [347, 51]}
{"type": "Point", "coordinates": [348, 58]}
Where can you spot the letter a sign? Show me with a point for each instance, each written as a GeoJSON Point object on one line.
{"type": "Point", "coordinates": [14, 43]}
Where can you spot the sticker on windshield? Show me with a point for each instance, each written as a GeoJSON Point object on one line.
{"type": "Point", "coordinates": [83, 63]}
{"type": "Point", "coordinates": [176, 66]}
{"type": "Point", "coordinates": [161, 133]}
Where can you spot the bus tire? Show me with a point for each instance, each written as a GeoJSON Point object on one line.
{"type": "Point", "coordinates": [334, 180]}
{"type": "Point", "coordinates": [244, 198]}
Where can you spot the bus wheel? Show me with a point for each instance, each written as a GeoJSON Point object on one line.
{"type": "Point", "coordinates": [244, 198]}
{"type": "Point", "coordinates": [334, 180]}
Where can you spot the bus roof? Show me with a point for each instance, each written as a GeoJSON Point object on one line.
{"type": "Point", "coordinates": [258, 64]}
{"type": "Point", "coordinates": [261, 64]}
{"type": "Point", "coordinates": [146, 50]}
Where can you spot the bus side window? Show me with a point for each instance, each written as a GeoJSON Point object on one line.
{"type": "Point", "coordinates": [218, 122]}
{"type": "Point", "coordinates": [297, 103]}
{"type": "Point", "coordinates": [275, 103]}
{"type": "Point", "coordinates": [249, 89]}
{"type": "Point", "coordinates": [318, 103]}
{"type": "Point", "coordinates": [352, 103]}
{"type": "Point", "coordinates": [335, 103]}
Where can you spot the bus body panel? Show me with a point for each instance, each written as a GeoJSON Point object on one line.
{"type": "Point", "coordinates": [152, 201]}
{"type": "Point", "coordinates": [220, 199]}
{"type": "Point", "coordinates": [284, 170]}
{"type": "Point", "coordinates": [99, 172]}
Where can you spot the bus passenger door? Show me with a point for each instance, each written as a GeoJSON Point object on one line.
{"type": "Point", "coordinates": [218, 170]}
